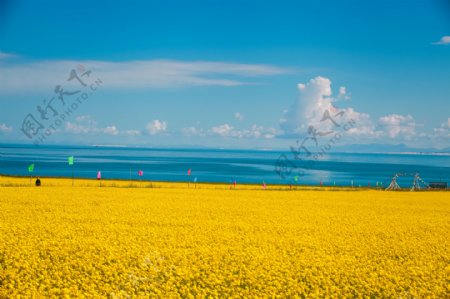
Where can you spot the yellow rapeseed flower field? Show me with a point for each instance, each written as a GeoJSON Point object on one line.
{"type": "Point", "coordinates": [170, 241]}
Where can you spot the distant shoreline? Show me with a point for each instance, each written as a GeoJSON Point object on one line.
{"type": "Point", "coordinates": [125, 183]}
{"type": "Point", "coordinates": [428, 152]}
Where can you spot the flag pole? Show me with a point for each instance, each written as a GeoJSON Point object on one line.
{"type": "Point", "coordinates": [30, 171]}
{"type": "Point", "coordinates": [99, 178]}
{"type": "Point", "coordinates": [140, 174]}
{"type": "Point", "coordinates": [189, 178]}
{"type": "Point", "coordinates": [70, 161]}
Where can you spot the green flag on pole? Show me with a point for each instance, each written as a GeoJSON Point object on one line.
{"type": "Point", "coordinates": [71, 164]}
{"type": "Point", "coordinates": [31, 168]}
{"type": "Point", "coordinates": [296, 178]}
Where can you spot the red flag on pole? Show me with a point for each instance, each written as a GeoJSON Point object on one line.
{"type": "Point", "coordinates": [140, 173]}
{"type": "Point", "coordinates": [189, 171]}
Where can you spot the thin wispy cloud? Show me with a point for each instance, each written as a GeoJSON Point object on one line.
{"type": "Point", "coordinates": [445, 40]}
{"type": "Point", "coordinates": [239, 116]}
{"type": "Point", "coordinates": [193, 131]}
{"type": "Point", "coordinates": [254, 131]}
{"type": "Point", "coordinates": [156, 127]}
{"type": "Point", "coordinates": [42, 75]}
{"type": "Point", "coordinates": [442, 131]}
{"type": "Point", "coordinates": [86, 124]}
{"type": "Point", "coordinates": [5, 128]}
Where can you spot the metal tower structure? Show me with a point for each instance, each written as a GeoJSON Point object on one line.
{"type": "Point", "coordinates": [394, 185]}
{"type": "Point", "coordinates": [418, 183]}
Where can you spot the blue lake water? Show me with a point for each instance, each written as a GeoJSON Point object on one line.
{"type": "Point", "coordinates": [214, 165]}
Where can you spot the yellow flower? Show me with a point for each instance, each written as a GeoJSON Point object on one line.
{"type": "Point", "coordinates": [171, 241]}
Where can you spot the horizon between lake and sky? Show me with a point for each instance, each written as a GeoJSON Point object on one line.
{"type": "Point", "coordinates": [370, 75]}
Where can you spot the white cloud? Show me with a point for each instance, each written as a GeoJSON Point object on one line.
{"type": "Point", "coordinates": [224, 130]}
{"type": "Point", "coordinates": [396, 125]}
{"type": "Point", "coordinates": [81, 118]}
{"type": "Point", "coordinates": [192, 131]}
{"type": "Point", "coordinates": [313, 100]}
{"type": "Point", "coordinates": [155, 127]}
{"type": "Point", "coordinates": [132, 132]}
{"type": "Point", "coordinates": [255, 131]}
{"type": "Point", "coordinates": [260, 132]}
{"type": "Point", "coordinates": [343, 95]}
{"type": "Point", "coordinates": [445, 40]}
{"type": "Point", "coordinates": [308, 113]}
{"type": "Point", "coordinates": [5, 129]}
{"type": "Point", "coordinates": [43, 75]}
{"type": "Point", "coordinates": [110, 130]}
{"type": "Point", "coordinates": [77, 128]}
{"type": "Point", "coordinates": [239, 116]}
{"type": "Point", "coordinates": [363, 127]}
{"type": "Point", "coordinates": [444, 130]}
{"type": "Point", "coordinates": [85, 124]}
{"type": "Point", "coordinates": [315, 108]}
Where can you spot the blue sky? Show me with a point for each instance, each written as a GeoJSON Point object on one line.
{"type": "Point", "coordinates": [227, 73]}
